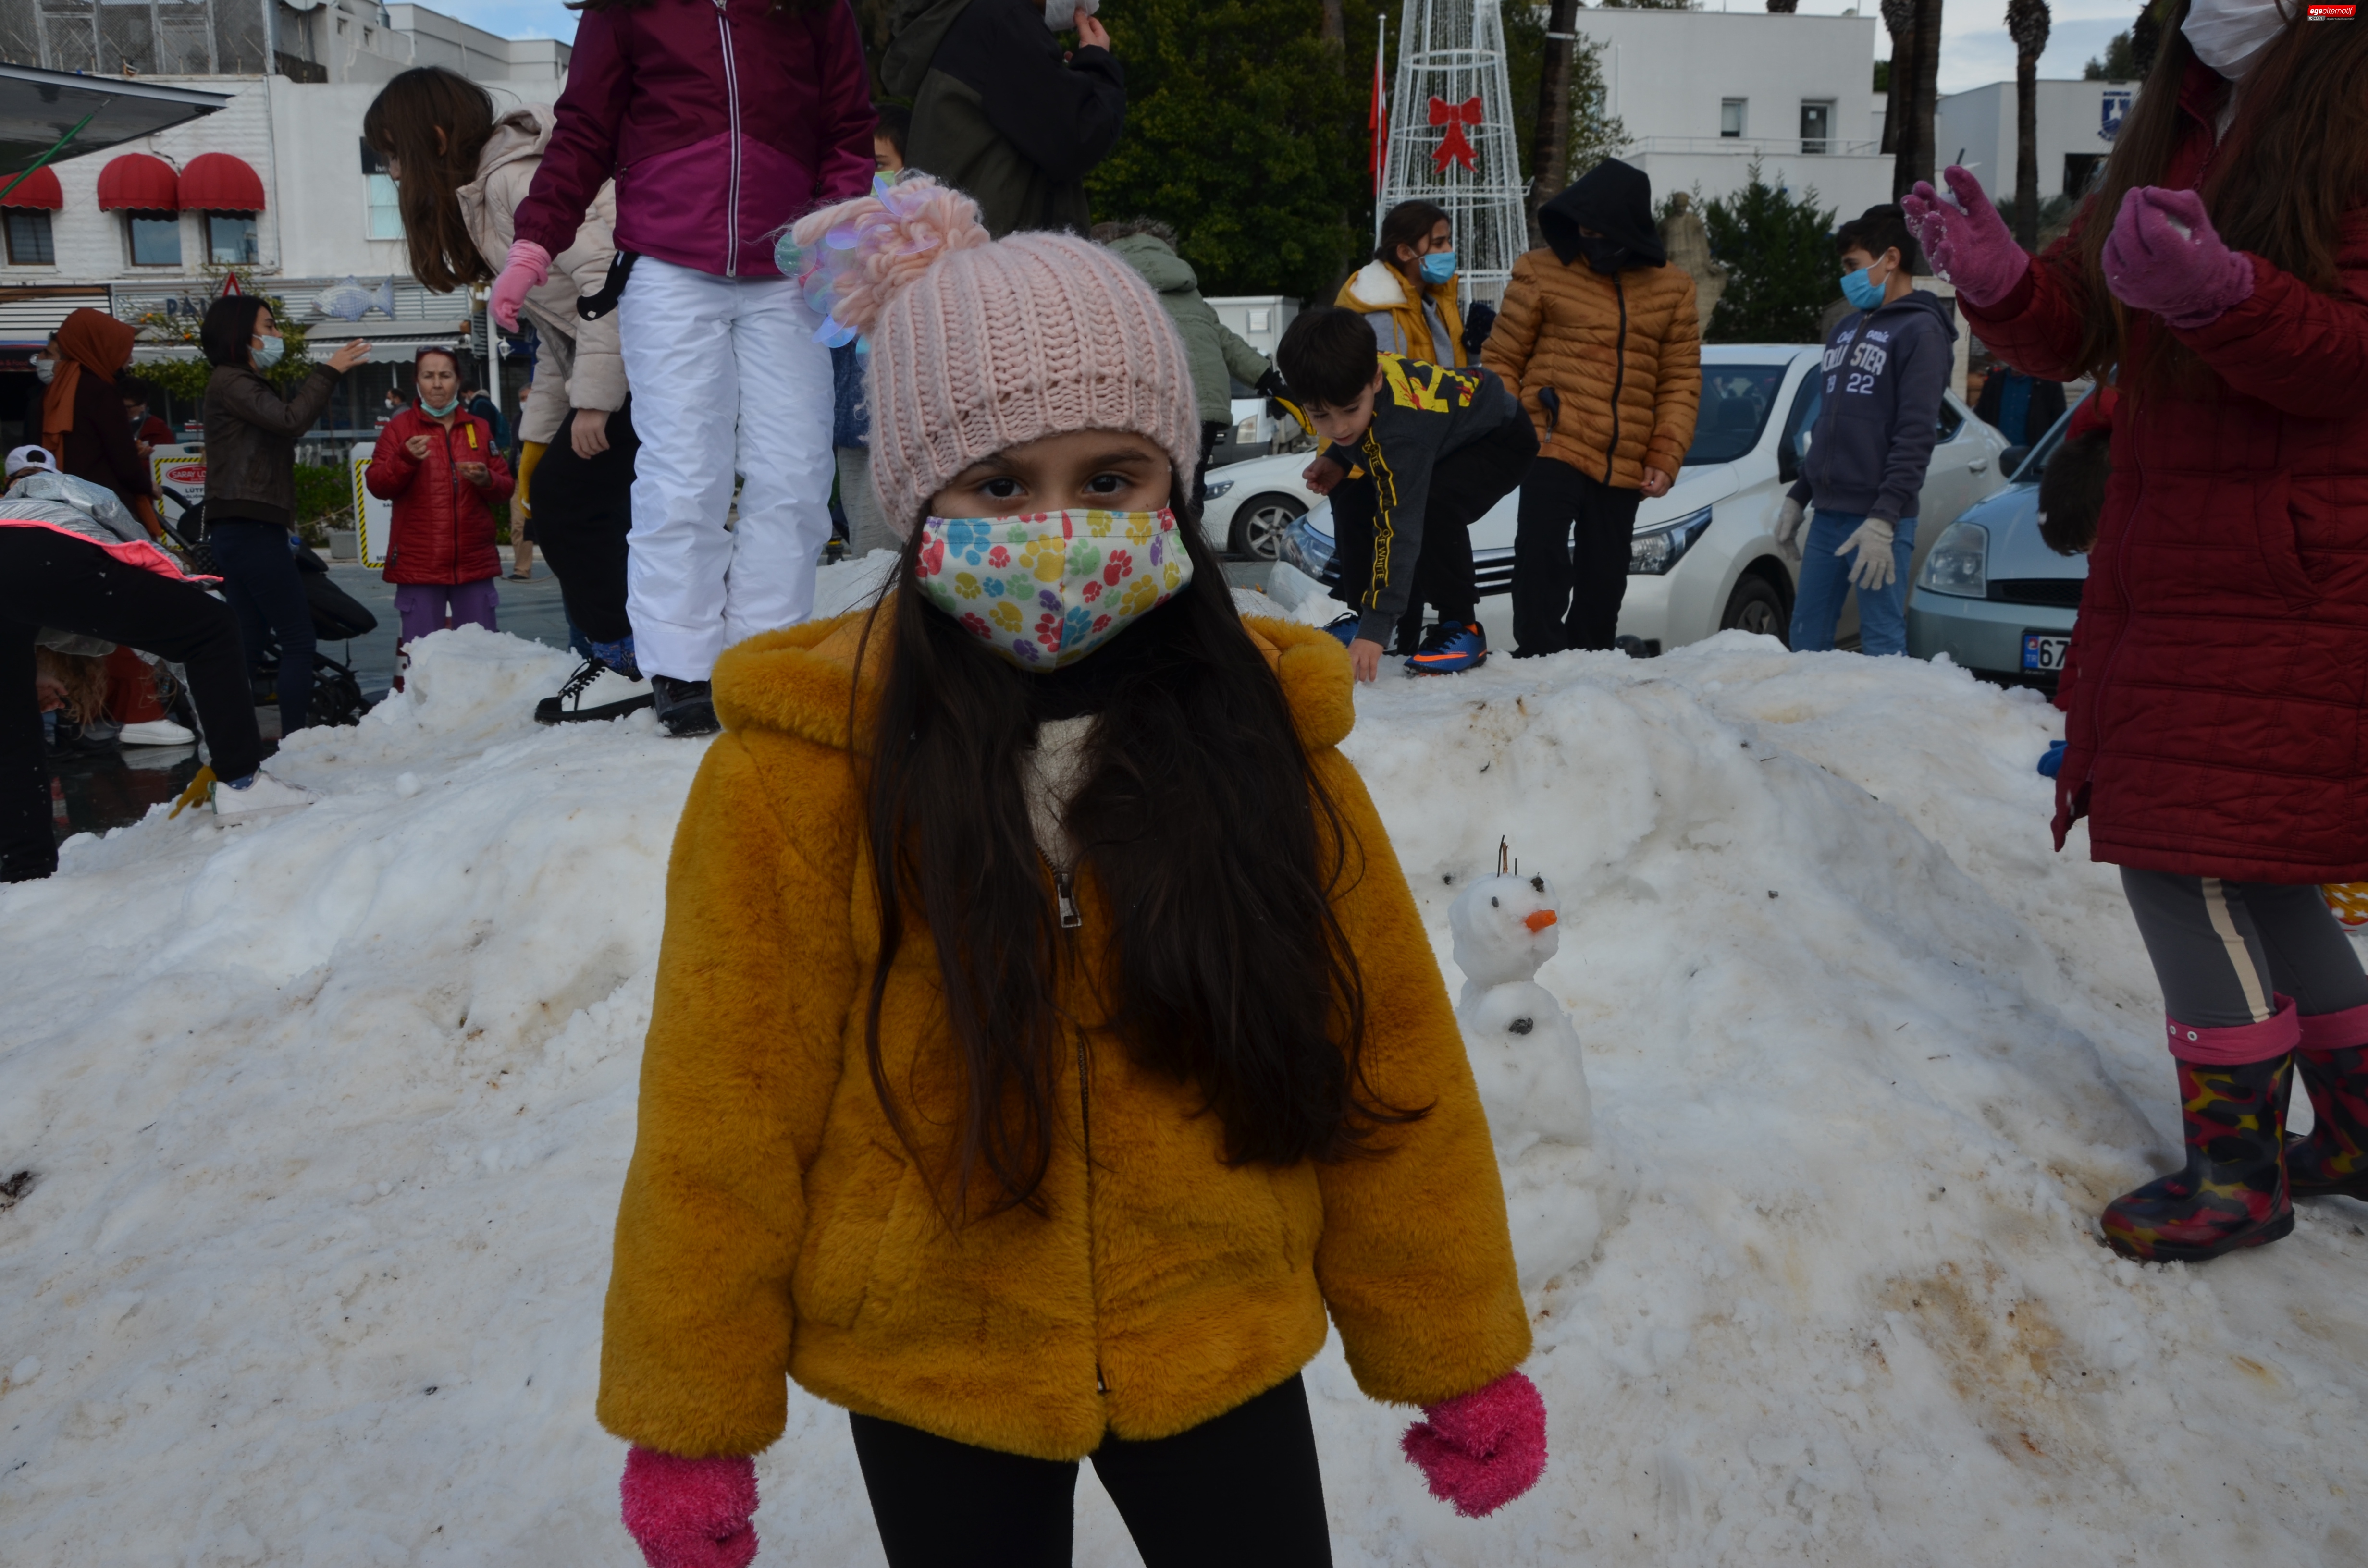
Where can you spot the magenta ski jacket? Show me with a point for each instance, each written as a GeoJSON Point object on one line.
{"type": "Point", "coordinates": [720, 120]}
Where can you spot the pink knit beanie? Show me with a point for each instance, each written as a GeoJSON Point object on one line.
{"type": "Point", "coordinates": [978, 345]}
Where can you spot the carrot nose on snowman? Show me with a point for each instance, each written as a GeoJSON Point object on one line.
{"type": "Point", "coordinates": [1538, 919]}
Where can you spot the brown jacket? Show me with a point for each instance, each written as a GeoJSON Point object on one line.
{"type": "Point", "coordinates": [773, 1223]}
{"type": "Point", "coordinates": [251, 434]}
{"type": "Point", "coordinates": [1623, 354]}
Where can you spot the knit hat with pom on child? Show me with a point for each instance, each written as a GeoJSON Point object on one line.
{"type": "Point", "coordinates": [978, 345]}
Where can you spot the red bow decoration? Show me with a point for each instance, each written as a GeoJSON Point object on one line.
{"type": "Point", "coordinates": [1452, 147]}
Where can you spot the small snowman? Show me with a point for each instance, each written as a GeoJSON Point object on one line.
{"type": "Point", "coordinates": [1532, 1076]}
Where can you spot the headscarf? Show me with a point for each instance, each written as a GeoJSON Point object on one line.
{"type": "Point", "coordinates": [89, 340]}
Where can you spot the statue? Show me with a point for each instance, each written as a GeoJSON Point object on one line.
{"type": "Point", "coordinates": [1687, 244]}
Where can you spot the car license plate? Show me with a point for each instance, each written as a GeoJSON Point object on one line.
{"type": "Point", "coordinates": [2044, 652]}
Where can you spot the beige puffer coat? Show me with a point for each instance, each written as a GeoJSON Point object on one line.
{"type": "Point", "coordinates": [579, 364]}
{"type": "Point", "coordinates": [1623, 354]}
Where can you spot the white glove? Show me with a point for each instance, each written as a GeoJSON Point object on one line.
{"type": "Point", "coordinates": [1789, 518]}
{"type": "Point", "coordinates": [1874, 568]}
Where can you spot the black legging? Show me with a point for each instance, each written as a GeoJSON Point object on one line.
{"type": "Point", "coordinates": [53, 579]}
{"type": "Point", "coordinates": [1464, 485]}
{"type": "Point", "coordinates": [1242, 1490]}
{"type": "Point", "coordinates": [582, 510]}
{"type": "Point", "coordinates": [1567, 596]}
{"type": "Point", "coordinates": [261, 581]}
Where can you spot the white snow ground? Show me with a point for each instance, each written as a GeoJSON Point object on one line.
{"type": "Point", "coordinates": [328, 1119]}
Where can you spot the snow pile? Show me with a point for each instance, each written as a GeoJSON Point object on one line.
{"type": "Point", "coordinates": [326, 1119]}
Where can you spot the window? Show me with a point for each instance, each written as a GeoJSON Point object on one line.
{"type": "Point", "coordinates": [29, 238]}
{"type": "Point", "coordinates": [385, 211]}
{"type": "Point", "coordinates": [1736, 402]}
{"type": "Point", "coordinates": [229, 239]}
{"type": "Point", "coordinates": [155, 238]}
{"type": "Point", "coordinates": [1816, 128]}
{"type": "Point", "coordinates": [1730, 116]}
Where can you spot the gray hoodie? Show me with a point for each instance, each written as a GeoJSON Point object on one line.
{"type": "Point", "coordinates": [1885, 372]}
{"type": "Point", "coordinates": [578, 365]}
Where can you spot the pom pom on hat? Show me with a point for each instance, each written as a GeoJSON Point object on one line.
{"type": "Point", "coordinates": [978, 345]}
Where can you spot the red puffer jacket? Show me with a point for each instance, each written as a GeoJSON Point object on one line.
{"type": "Point", "coordinates": [722, 121]}
{"type": "Point", "coordinates": [2222, 651]}
{"type": "Point", "coordinates": [443, 528]}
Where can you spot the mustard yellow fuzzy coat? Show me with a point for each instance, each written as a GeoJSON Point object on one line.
{"type": "Point", "coordinates": [772, 1222]}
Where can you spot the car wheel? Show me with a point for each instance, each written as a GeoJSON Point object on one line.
{"type": "Point", "coordinates": [1258, 523]}
{"type": "Point", "coordinates": [1756, 607]}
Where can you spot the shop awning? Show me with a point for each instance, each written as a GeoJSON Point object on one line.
{"type": "Point", "coordinates": [40, 189]}
{"type": "Point", "coordinates": [138, 182]}
{"type": "Point", "coordinates": [216, 182]}
{"type": "Point", "coordinates": [39, 108]}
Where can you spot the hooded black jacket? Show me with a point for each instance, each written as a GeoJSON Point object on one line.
{"type": "Point", "coordinates": [1615, 200]}
{"type": "Point", "coordinates": [998, 114]}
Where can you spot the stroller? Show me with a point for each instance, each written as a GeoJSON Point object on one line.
{"type": "Point", "coordinates": [337, 617]}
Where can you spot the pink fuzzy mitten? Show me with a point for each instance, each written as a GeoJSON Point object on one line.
{"type": "Point", "coordinates": [1481, 1449]}
{"type": "Point", "coordinates": [527, 266]}
{"type": "Point", "coordinates": [691, 1513]}
{"type": "Point", "coordinates": [2164, 256]}
{"type": "Point", "coordinates": [1969, 243]}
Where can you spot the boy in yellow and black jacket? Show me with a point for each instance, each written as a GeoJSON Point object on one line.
{"type": "Point", "coordinates": [1415, 454]}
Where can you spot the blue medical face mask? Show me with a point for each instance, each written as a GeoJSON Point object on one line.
{"type": "Point", "coordinates": [1861, 289]}
{"type": "Point", "coordinates": [1439, 266]}
{"type": "Point", "coordinates": [268, 352]}
{"type": "Point", "coordinates": [439, 411]}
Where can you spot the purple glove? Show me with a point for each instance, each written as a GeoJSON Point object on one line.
{"type": "Point", "coordinates": [2164, 256]}
{"type": "Point", "coordinates": [1481, 1449]}
{"type": "Point", "coordinates": [1973, 247]}
{"type": "Point", "coordinates": [691, 1513]}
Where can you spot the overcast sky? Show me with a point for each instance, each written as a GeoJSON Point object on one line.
{"type": "Point", "coordinates": [1973, 45]}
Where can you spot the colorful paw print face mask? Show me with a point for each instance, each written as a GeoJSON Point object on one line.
{"type": "Point", "coordinates": [1045, 590]}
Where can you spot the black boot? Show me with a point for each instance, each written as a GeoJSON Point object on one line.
{"type": "Point", "coordinates": [685, 706]}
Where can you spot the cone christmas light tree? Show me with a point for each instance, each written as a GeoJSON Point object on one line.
{"type": "Point", "coordinates": [1451, 138]}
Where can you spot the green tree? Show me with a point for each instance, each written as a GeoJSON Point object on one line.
{"type": "Point", "coordinates": [1246, 130]}
{"type": "Point", "coordinates": [1779, 251]}
{"type": "Point", "coordinates": [2119, 65]}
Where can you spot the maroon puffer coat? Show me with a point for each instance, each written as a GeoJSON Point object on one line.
{"type": "Point", "coordinates": [2221, 659]}
{"type": "Point", "coordinates": [443, 525]}
{"type": "Point", "coordinates": [722, 121]}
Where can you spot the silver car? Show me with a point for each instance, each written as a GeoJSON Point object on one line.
{"type": "Point", "coordinates": [1991, 595]}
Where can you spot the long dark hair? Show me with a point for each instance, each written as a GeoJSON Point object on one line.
{"type": "Point", "coordinates": [1217, 850]}
{"type": "Point", "coordinates": [1408, 223]}
{"type": "Point", "coordinates": [226, 332]}
{"type": "Point", "coordinates": [400, 126]}
{"type": "Point", "coordinates": [2279, 186]}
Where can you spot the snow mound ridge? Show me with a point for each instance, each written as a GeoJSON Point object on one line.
{"type": "Point", "coordinates": [328, 1118]}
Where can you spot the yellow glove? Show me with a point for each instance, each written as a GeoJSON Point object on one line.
{"type": "Point", "coordinates": [2348, 900]}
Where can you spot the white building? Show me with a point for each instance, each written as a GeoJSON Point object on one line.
{"type": "Point", "coordinates": [276, 182]}
{"type": "Point", "coordinates": [1704, 95]}
{"type": "Point", "coordinates": [2077, 121]}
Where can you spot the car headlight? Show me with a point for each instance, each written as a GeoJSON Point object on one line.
{"type": "Point", "coordinates": [1218, 487]}
{"type": "Point", "coordinates": [1306, 543]}
{"type": "Point", "coordinates": [1655, 550]}
{"type": "Point", "coordinates": [1959, 562]}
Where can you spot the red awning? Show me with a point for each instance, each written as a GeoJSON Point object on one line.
{"type": "Point", "coordinates": [138, 182]}
{"type": "Point", "coordinates": [216, 182]}
{"type": "Point", "coordinates": [40, 189]}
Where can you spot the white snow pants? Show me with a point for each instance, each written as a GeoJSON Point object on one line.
{"type": "Point", "coordinates": [726, 379]}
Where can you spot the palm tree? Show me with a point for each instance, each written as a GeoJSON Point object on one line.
{"type": "Point", "coordinates": [1550, 147]}
{"type": "Point", "coordinates": [2026, 23]}
{"type": "Point", "coordinates": [1900, 20]}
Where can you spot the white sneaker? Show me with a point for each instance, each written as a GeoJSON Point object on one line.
{"type": "Point", "coordinates": [262, 797]}
{"type": "Point", "coordinates": [594, 692]}
{"type": "Point", "coordinates": [158, 732]}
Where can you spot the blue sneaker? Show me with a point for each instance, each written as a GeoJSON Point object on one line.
{"type": "Point", "coordinates": [1448, 647]}
{"type": "Point", "coordinates": [1342, 628]}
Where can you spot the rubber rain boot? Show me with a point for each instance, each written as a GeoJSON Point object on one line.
{"type": "Point", "coordinates": [2232, 1191]}
{"type": "Point", "coordinates": [2332, 1158]}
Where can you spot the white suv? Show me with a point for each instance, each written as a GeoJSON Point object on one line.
{"type": "Point", "coordinates": [1704, 557]}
